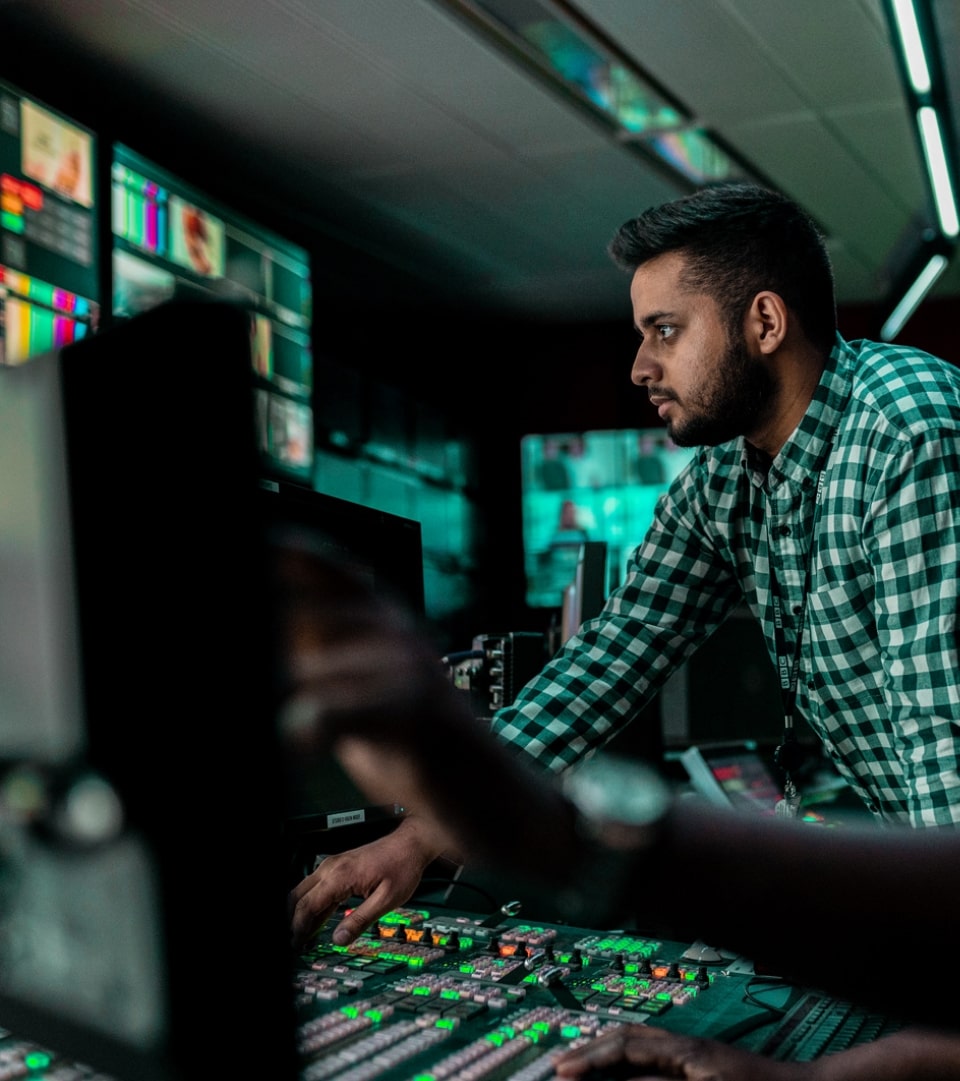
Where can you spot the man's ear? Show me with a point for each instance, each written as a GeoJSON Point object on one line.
{"type": "Point", "coordinates": [766, 322]}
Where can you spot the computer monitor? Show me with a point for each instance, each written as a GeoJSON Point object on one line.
{"type": "Point", "coordinates": [49, 264]}
{"type": "Point", "coordinates": [141, 779]}
{"type": "Point", "coordinates": [172, 240]}
{"type": "Point", "coordinates": [323, 808]}
{"type": "Point", "coordinates": [589, 486]}
{"type": "Point", "coordinates": [385, 548]}
{"type": "Point", "coordinates": [587, 591]}
{"type": "Point", "coordinates": [733, 775]}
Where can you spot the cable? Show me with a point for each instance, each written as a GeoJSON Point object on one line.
{"type": "Point", "coordinates": [451, 659]}
{"type": "Point", "coordinates": [455, 883]}
{"type": "Point", "coordinates": [750, 996]}
{"type": "Point", "coordinates": [768, 1015]}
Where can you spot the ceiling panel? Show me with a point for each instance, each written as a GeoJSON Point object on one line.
{"type": "Point", "coordinates": [400, 126]}
{"type": "Point", "coordinates": [702, 53]}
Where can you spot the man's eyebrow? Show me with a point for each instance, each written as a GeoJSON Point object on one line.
{"type": "Point", "coordinates": [653, 317]}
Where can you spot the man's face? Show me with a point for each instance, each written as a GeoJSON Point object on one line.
{"type": "Point", "coordinates": [707, 388]}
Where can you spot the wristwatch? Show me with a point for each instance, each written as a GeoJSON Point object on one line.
{"type": "Point", "coordinates": [621, 807]}
{"type": "Point", "coordinates": [618, 797]}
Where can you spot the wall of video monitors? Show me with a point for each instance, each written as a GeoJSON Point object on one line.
{"type": "Point", "coordinates": [170, 241]}
{"type": "Point", "coordinates": [99, 224]}
{"type": "Point", "coordinates": [48, 228]}
{"type": "Point", "coordinates": [166, 240]}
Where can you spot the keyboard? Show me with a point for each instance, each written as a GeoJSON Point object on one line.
{"type": "Point", "coordinates": [820, 1025]}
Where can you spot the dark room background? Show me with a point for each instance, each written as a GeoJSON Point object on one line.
{"type": "Point", "coordinates": [420, 395]}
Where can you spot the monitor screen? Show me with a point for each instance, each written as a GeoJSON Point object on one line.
{"type": "Point", "coordinates": [138, 756]}
{"type": "Point", "coordinates": [585, 595]}
{"type": "Point", "coordinates": [385, 551]}
{"type": "Point", "coordinates": [171, 240]}
{"type": "Point", "coordinates": [48, 229]}
{"type": "Point", "coordinates": [40, 683]}
{"type": "Point", "coordinates": [589, 486]}
{"type": "Point", "coordinates": [733, 775]}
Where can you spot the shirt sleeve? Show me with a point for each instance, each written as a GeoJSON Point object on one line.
{"type": "Point", "coordinates": [913, 537]}
{"type": "Point", "coordinates": [679, 587]}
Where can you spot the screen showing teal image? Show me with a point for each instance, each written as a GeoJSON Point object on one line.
{"type": "Point", "coordinates": [589, 486]}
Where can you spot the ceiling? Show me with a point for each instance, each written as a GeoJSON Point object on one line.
{"type": "Point", "coordinates": [404, 130]}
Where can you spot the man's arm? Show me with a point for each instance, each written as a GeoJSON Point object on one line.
{"type": "Point", "coordinates": [679, 588]}
{"type": "Point", "coordinates": [914, 542]}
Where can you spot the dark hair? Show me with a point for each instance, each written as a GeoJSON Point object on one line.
{"type": "Point", "coordinates": [739, 239]}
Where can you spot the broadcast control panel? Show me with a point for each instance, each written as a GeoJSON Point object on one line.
{"type": "Point", "coordinates": [429, 994]}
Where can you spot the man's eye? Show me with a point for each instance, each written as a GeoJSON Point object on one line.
{"type": "Point", "coordinates": [665, 330]}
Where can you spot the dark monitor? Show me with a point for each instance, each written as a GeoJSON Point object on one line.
{"type": "Point", "coordinates": [140, 791]}
{"type": "Point", "coordinates": [48, 228]}
{"type": "Point", "coordinates": [587, 592]}
{"type": "Point", "coordinates": [589, 486]}
{"type": "Point", "coordinates": [171, 240]}
{"type": "Point", "coordinates": [386, 551]}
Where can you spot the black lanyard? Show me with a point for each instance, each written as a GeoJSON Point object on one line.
{"type": "Point", "coordinates": [789, 756]}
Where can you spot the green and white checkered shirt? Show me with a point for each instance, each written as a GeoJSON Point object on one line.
{"type": "Point", "coordinates": [879, 673]}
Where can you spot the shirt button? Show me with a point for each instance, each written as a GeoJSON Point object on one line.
{"type": "Point", "coordinates": [807, 483]}
{"type": "Point", "coordinates": [784, 531]}
{"type": "Point", "coordinates": [797, 609]}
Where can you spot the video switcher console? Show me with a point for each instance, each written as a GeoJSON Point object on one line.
{"type": "Point", "coordinates": [429, 994]}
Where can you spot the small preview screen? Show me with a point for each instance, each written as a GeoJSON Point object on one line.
{"type": "Point", "coordinates": [48, 229]}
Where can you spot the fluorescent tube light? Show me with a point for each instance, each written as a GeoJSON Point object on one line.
{"type": "Point", "coordinates": [912, 44]}
{"type": "Point", "coordinates": [924, 282]}
{"type": "Point", "coordinates": [933, 149]}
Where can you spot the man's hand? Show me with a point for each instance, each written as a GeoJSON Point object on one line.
{"type": "Point", "coordinates": [362, 683]}
{"type": "Point", "coordinates": [384, 873]}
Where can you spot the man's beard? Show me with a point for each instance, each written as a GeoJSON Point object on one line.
{"type": "Point", "coordinates": [731, 404]}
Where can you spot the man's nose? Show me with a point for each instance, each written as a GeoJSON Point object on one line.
{"type": "Point", "coordinates": [644, 369]}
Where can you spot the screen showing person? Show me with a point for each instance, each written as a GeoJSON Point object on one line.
{"type": "Point", "coordinates": [57, 154]}
{"type": "Point", "coordinates": [589, 486]}
{"type": "Point", "coordinates": [196, 239]}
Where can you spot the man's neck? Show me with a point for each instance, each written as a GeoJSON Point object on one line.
{"type": "Point", "coordinates": [797, 377]}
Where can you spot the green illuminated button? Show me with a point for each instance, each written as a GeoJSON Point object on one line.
{"type": "Point", "coordinates": [654, 1006]}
